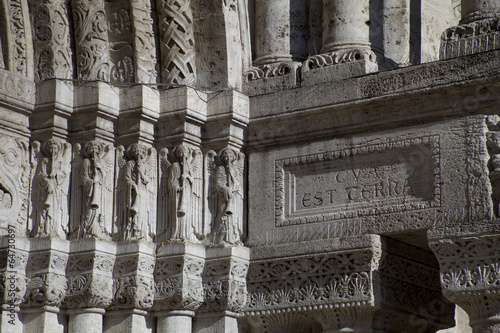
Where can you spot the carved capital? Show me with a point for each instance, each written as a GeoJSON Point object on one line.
{"type": "Point", "coordinates": [341, 56]}
{"type": "Point", "coordinates": [273, 70]}
{"type": "Point", "coordinates": [470, 37]}
{"type": "Point", "coordinates": [470, 276]}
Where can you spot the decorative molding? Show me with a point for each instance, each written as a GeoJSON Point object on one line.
{"type": "Point", "coordinates": [273, 70]}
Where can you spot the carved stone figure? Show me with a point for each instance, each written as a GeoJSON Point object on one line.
{"type": "Point", "coordinates": [136, 188]}
{"type": "Point", "coordinates": [182, 185]}
{"type": "Point", "coordinates": [50, 188]}
{"type": "Point", "coordinates": [14, 183]}
{"type": "Point", "coordinates": [92, 190]}
{"type": "Point", "coordinates": [225, 195]}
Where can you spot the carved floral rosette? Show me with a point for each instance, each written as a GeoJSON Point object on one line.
{"type": "Point", "coordinates": [178, 283]}
{"type": "Point", "coordinates": [133, 286]}
{"type": "Point", "coordinates": [90, 284]}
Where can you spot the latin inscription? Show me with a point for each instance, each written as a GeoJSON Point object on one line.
{"type": "Point", "coordinates": [389, 177]}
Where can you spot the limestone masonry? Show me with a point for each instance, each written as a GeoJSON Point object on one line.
{"type": "Point", "coordinates": [251, 166]}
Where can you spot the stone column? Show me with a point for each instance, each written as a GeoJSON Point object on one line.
{"type": "Point", "coordinates": [133, 289]}
{"type": "Point", "coordinates": [224, 282]}
{"type": "Point", "coordinates": [478, 30]}
{"type": "Point", "coordinates": [47, 286]}
{"type": "Point", "coordinates": [470, 272]}
{"type": "Point", "coordinates": [278, 38]}
{"type": "Point", "coordinates": [272, 31]}
{"type": "Point", "coordinates": [90, 284]}
{"type": "Point", "coordinates": [347, 35]}
{"type": "Point", "coordinates": [179, 289]}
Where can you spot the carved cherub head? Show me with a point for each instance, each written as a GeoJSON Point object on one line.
{"type": "Point", "coordinates": [93, 149]}
{"type": "Point", "coordinates": [227, 156]}
{"type": "Point", "coordinates": [181, 152]}
{"type": "Point", "coordinates": [137, 152]}
{"type": "Point", "coordinates": [52, 147]}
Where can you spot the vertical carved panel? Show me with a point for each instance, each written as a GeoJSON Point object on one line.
{"type": "Point", "coordinates": [92, 49]}
{"type": "Point", "coordinates": [176, 41]}
{"type": "Point", "coordinates": [51, 39]}
{"type": "Point", "coordinates": [18, 52]}
{"type": "Point", "coordinates": [120, 36]}
{"type": "Point", "coordinates": [144, 41]}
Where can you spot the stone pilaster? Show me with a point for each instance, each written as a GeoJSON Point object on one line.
{"type": "Point", "coordinates": [133, 288]}
{"type": "Point", "coordinates": [90, 284]}
{"type": "Point", "coordinates": [179, 288]}
{"type": "Point", "coordinates": [47, 286]}
{"type": "Point", "coordinates": [470, 272]}
{"type": "Point", "coordinates": [224, 283]}
{"type": "Point", "coordinates": [478, 31]}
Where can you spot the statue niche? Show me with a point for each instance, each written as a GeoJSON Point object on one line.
{"type": "Point", "coordinates": [92, 190]}
{"type": "Point", "coordinates": [224, 175]}
{"type": "Point", "coordinates": [52, 162]}
{"type": "Point", "coordinates": [181, 194]}
{"type": "Point", "coordinates": [136, 192]}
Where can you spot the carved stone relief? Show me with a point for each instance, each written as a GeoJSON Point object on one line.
{"type": "Point", "coordinates": [14, 184]}
{"type": "Point", "coordinates": [50, 214]}
{"type": "Point", "coordinates": [92, 47]}
{"type": "Point", "coordinates": [19, 33]}
{"type": "Point", "coordinates": [136, 188]}
{"type": "Point", "coordinates": [92, 190]}
{"type": "Point", "coordinates": [181, 186]}
{"type": "Point", "coordinates": [51, 32]}
{"type": "Point", "coordinates": [178, 283]}
{"type": "Point", "coordinates": [175, 23]}
{"type": "Point", "coordinates": [225, 195]}
{"type": "Point", "coordinates": [145, 48]}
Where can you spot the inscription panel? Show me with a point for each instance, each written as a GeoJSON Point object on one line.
{"type": "Point", "coordinates": [387, 177]}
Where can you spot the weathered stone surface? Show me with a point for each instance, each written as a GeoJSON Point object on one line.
{"type": "Point", "coordinates": [252, 166]}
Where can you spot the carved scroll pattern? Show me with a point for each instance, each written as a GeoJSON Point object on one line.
{"type": "Point", "coordinates": [14, 183]}
{"type": "Point", "coordinates": [120, 37]}
{"type": "Point", "coordinates": [19, 55]}
{"type": "Point", "coordinates": [51, 39]}
{"type": "Point", "coordinates": [144, 42]}
{"type": "Point", "coordinates": [176, 41]}
{"type": "Point", "coordinates": [92, 49]}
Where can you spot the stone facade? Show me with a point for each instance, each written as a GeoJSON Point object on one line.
{"type": "Point", "coordinates": [249, 166]}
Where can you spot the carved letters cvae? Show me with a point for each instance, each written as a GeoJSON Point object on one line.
{"type": "Point", "coordinates": [224, 188]}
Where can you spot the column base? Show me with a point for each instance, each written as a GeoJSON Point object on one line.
{"type": "Point", "coordinates": [175, 321]}
{"type": "Point", "coordinates": [216, 323]}
{"type": "Point", "coordinates": [128, 322]}
{"type": "Point", "coordinates": [86, 320]}
{"type": "Point", "coordinates": [40, 321]}
{"type": "Point", "coordinates": [10, 321]}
